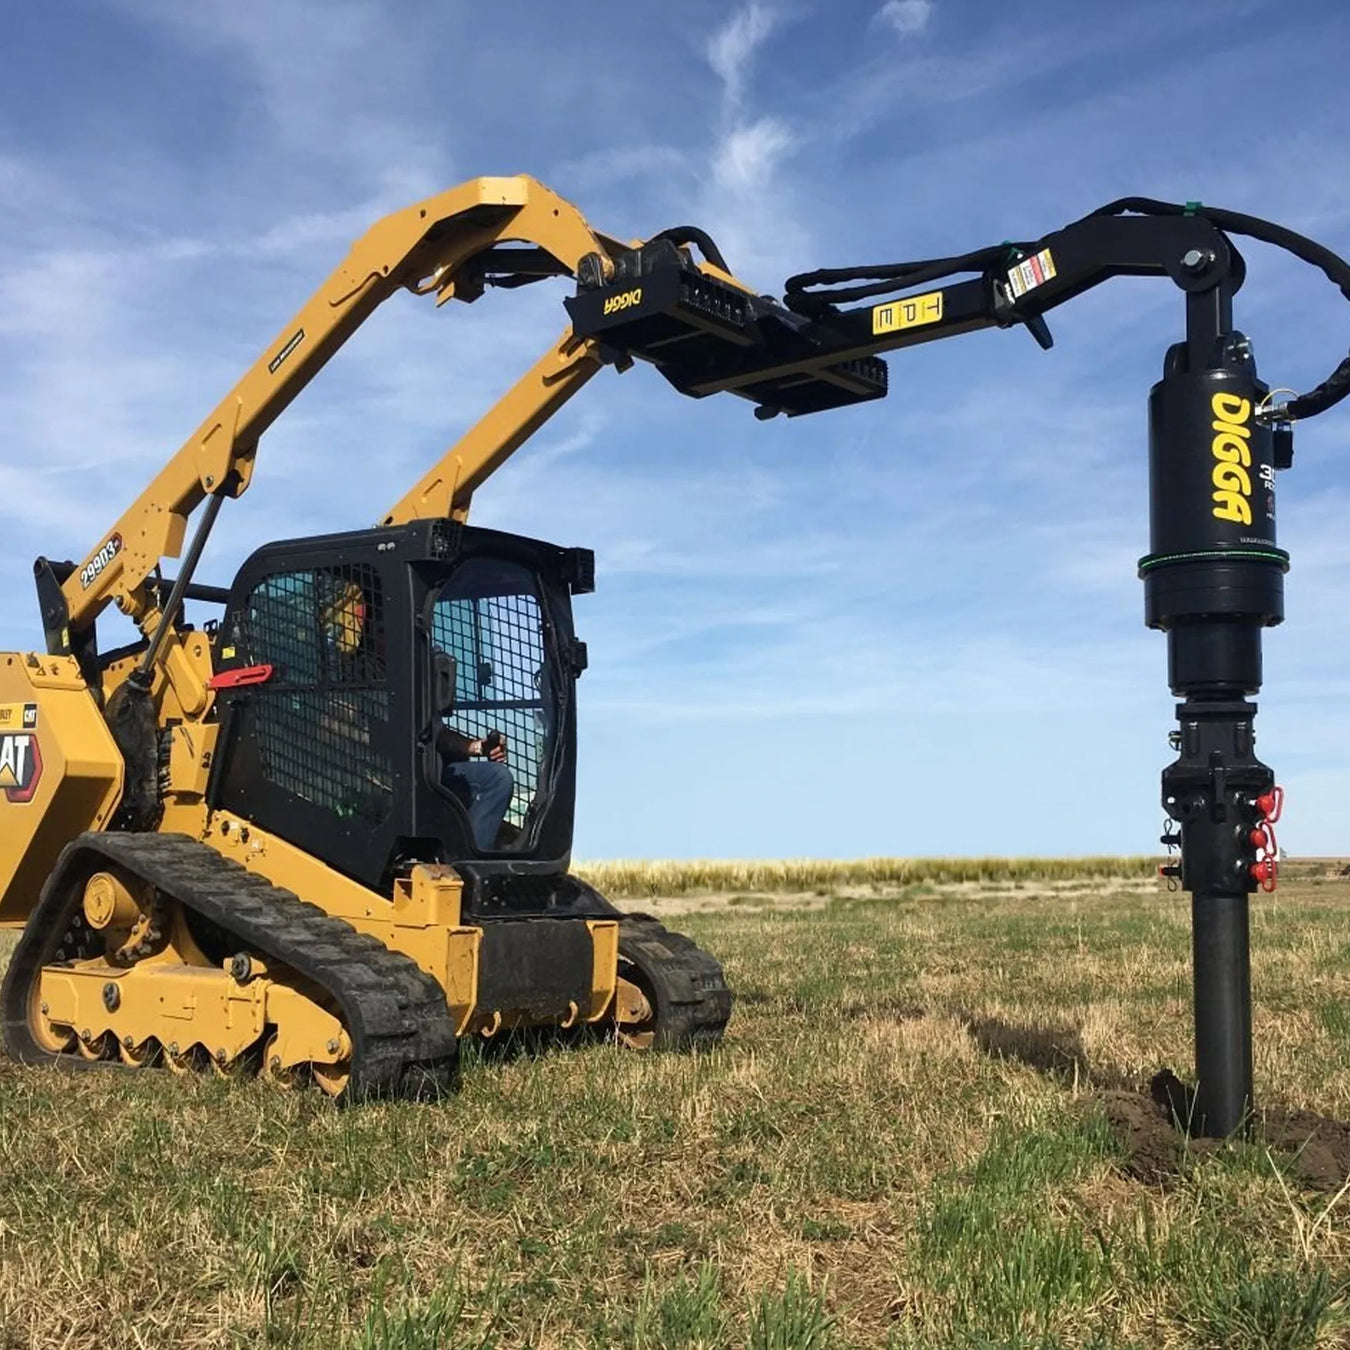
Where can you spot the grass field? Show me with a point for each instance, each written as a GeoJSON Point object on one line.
{"type": "Point", "coordinates": [911, 1137]}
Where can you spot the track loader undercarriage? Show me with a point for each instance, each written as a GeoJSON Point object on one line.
{"type": "Point", "coordinates": [122, 963]}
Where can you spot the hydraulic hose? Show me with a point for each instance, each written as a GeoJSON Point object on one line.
{"type": "Point", "coordinates": [691, 234]}
{"type": "Point", "coordinates": [1337, 385]}
{"type": "Point", "coordinates": [819, 292]}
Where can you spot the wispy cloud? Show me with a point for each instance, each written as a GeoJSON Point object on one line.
{"type": "Point", "coordinates": [747, 156]}
{"type": "Point", "coordinates": [905, 17]}
{"type": "Point", "coordinates": [746, 194]}
{"type": "Point", "coordinates": [732, 48]}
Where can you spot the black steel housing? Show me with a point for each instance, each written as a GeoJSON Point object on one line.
{"type": "Point", "coordinates": [1214, 576]}
{"type": "Point", "coordinates": [697, 330]}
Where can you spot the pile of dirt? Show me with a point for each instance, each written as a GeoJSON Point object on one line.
{"type": "Point", "coordinates": [1156, 1146]}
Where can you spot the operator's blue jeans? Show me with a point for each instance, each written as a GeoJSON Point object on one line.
{"type": "Point", "coordinates": [489, 786]}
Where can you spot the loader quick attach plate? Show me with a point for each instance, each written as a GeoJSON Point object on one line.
{"type": "Point", "coordinates": [707, 336]}
{"type": "Point", "coordinates": [403, 1038]}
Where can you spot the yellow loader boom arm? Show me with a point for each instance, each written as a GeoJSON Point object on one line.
{"type": "Point", "coordinates": [437, 246]}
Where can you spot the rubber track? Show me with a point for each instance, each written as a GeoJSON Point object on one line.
{"type": "Point", "coordinates": [403, 1039]}
{"type": "Point", "coordinates": [699, 1004]}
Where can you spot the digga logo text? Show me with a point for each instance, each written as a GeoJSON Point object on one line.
{"type": "Point", "coordinates": [1232, 458]}
{"type": "Point", "coordinates": [626, 300]}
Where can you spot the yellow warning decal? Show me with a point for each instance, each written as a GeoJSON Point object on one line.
{"type": "Point", "coordinates": [912, 312]}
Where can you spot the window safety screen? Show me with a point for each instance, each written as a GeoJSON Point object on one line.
{"type": "Point", "coordinates": [489, 618]}
{"type": "Point", "coordinates": [322, 720]}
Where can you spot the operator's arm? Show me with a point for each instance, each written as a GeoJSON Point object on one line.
{"type": "Point", "coordinates": [455, 747]}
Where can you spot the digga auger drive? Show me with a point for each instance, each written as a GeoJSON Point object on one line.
{"type": "Point", "coordinates": [329, 834]}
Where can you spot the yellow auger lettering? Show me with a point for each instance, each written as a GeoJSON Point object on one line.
{"type": "Point", "coordinates": [1233, 456]}
{"type": "Point", "coordinates": [626, 300]}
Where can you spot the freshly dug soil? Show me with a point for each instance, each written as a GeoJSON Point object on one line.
{"type": "Point", "coordinates": [1317, 1146]}
{"type": "Point", "coordinates": [1151, 1124]}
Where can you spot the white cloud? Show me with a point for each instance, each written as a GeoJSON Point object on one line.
{"type": "Point", "coordinates": [733, 46]}
{"type": "Point", "coordinates": [751, 212]}
{"type": "Point", "coordinates": [747, 156]}
{"type": "Point", "coordinates": [906, 17]}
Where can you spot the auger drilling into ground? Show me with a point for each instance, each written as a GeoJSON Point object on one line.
{"type": "Point", "coordinates": [258, 843]}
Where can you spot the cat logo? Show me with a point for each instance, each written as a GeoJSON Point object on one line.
{"type": "Point", "coordinates": [20, 767]}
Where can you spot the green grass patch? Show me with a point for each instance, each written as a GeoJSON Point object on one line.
{"type": "Point", "coordinates": [896, 1147]}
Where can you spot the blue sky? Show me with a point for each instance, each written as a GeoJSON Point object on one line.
{"type": "Point", "coordinates": [908, 628]}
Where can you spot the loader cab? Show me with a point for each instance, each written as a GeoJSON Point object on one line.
{"type": "Point", "coordinates": [342, 656]}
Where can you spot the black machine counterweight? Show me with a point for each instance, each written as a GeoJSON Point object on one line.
{"type": "Point", "coordinates": [1213, 578]}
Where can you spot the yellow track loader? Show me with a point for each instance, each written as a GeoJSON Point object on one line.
{"type": "Point", "coordinates": [327, 835]}
{"type": "Point", "coordinates": [244, 844]}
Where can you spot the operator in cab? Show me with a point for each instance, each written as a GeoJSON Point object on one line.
{"type": "Point", "coordinates": [474, 770]}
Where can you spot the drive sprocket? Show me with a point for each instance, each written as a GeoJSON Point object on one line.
{"type": "Point", "coordinates": [676, 996]}
{"type": "Point", "coordinates": [147, 933]}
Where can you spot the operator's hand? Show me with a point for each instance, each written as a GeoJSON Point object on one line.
{"type": "Point", "coordinates": [493, 746]}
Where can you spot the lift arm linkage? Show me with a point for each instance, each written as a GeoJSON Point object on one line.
{"type": "Point", "coordinates": [446, 246]}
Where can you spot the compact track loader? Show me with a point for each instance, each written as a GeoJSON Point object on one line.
{"type": "Point", "coordinates": [238, 845]}
{"type": "Point", "coordinates": [250, 844]}
{"type": "Point", "coordinates": [243, 845]}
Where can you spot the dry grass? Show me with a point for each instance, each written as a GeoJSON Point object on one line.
{"type": "Point", "coordinates": [897, 1146]}
{"type": "Point", "coordinates": [631, 880]}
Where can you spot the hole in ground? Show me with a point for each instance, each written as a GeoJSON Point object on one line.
{"type": "Point", "coordinates": [1146, 1125]}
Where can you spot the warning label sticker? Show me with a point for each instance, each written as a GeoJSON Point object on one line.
{"type": "Point", "coordinates": [18, 716]}
{"type": "Point", "coordinates": [912, 312]}
{"type": "Point", "coordinates": [1031, 272]}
